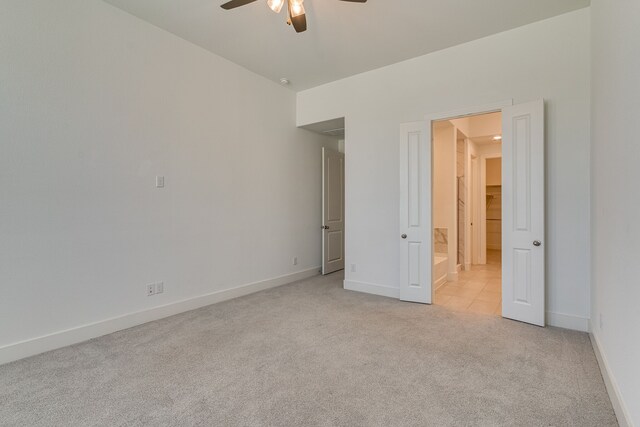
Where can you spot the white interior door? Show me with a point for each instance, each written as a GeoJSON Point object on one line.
{"type": "Point", "coordinates": [523, 254]}
{"type": "Point", "coordinates": [332, 211]}
{"type": "Point", "coordinates": [415, 213]}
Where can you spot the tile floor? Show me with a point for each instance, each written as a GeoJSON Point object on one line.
{"type": "Point", "coordinates": [478, 290]}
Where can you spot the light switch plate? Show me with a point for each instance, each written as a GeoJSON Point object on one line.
{"type": "Point", "coordinates": [159, 181]}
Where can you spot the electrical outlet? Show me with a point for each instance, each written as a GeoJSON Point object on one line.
{"type": "Point", "coordinates": [151, 290]}
{"type": "Point", "coordinates": [159, 287]}
{"type": "Point", "coordinates": [159, 181]}
{"type": "Point", "coordinates": [294, 261]}
{"type": "Point", "coordinates": [353, 268]}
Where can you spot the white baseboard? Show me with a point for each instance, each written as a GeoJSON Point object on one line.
{"type": "Point", "coordinates": [372, 288]}
{"type": "Point", "coordinates": [438, 283]}
{"type": "Point", "coordinates": [624, 419]}
{"type": "Point", "coordinates": [78, 334]}
{"type": "Point", "coordinates": [568, 321]}
{"type": "Point", "coordinates": [559, 320]}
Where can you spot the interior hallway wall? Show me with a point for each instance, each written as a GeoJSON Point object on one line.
{"type": "Point", "coordinates": [494, 171]}
{"type": "Point", "coordinates": [94, 103]}
{"type": "Point", "coordinates": [615, 207]}
{"type": "Point", "coordinates": [548, 59]}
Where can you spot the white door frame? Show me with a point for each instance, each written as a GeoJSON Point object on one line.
{"type": "Point", "coordinates": [456, 114]}
{"type": "Point", "coordinates": [468, 209]}
{"type": "Point", "coordinates": [482, 255]}
{"type": "Point", "coordinates": [474, 174]}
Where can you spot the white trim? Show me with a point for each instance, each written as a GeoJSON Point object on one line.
{"type": "Point", "coordinates": [568, 321]}
{"type": "Point", "coordinates": [31, 347]}
{"type": "Point", "coordinates": [468, 204]}
{"type": "Point", "coordinates": [441, 281]}
{"type": "Point", "coordinates": [475, 208]}
{"type": "Point", "coordinates": [372, 288]}
{"type": "Point", "coordinates": [470, 111]}
{"type": "Point", "coordinates": [624, 419]}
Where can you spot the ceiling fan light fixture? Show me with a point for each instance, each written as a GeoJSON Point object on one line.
{"type": "Point", "coordinates": [275, 5]}
{"type": "Point", "coordinates": [296, 14]}
{"type": "Point", "coordinates": [297, 8]}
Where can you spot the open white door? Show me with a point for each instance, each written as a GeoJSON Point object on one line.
{"type": "Point", "coordinates": [332, 211]}
{"type": "Point", "coordinates": [415, 212]}
{"type": "Point", "coordinates": [523, 254]}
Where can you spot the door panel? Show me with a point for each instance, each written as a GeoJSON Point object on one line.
{"type": "Point", "coordinates": [415, 206]}
{"type": "Point", "coordinates": [523, 281]}
{"type": "Point", "coordinates": [522, 276]}
{"type": "Point", "coordinates": [414, 264]}
{"type": "Point", "coordinates": [332, 211]}
{"type": "Point", "coordinates": [335, 241]}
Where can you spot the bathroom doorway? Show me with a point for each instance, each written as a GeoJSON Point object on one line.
{"type": "Point", "coordinates": [522, 271]}
{"type": "Point", "coordinates": [467, 209]}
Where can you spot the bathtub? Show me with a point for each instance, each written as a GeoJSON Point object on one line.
{"type": "Point", "coordinates": [440, 268]}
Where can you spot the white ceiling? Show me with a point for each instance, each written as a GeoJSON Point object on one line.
{"type": "Point", "coordinates": [486, 140]}
{"type": "Point", "coordinates": [333, 128]}
{"type": "Point", "coordinates": [480, 128]}
{"type": "Point", "coordinates": [343, 38]}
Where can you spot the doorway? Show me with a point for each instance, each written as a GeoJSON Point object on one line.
{"type": "Point", "coordinates": [467, 271]}
{"type": "Point", "coordinates": [332, 210]}
{"type": "Point", "coordinates": [332, 225]}
{"type": "Point", "coordinates": [522, 269]}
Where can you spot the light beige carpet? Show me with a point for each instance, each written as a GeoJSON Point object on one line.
{"type": "Point", "coordinates": [311, 354]}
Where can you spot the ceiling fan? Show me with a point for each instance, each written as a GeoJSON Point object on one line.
{"type": "Point", "coordinates": [295, 8]}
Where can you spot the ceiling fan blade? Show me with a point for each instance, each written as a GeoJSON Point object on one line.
{"type": "Point", "coordinates": [236, 3]}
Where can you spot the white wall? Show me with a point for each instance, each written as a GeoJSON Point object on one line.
{"type": "Point", "coordinates": [615, 207]}
{"type": "Point", "coordinates": [480, 125]}
{"type": "Point", "coordinates": [444, 187]}
{"type": "Point", "coordinates": [548, 59]}
{"type": "Point", "coordinates": [93, 104]}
